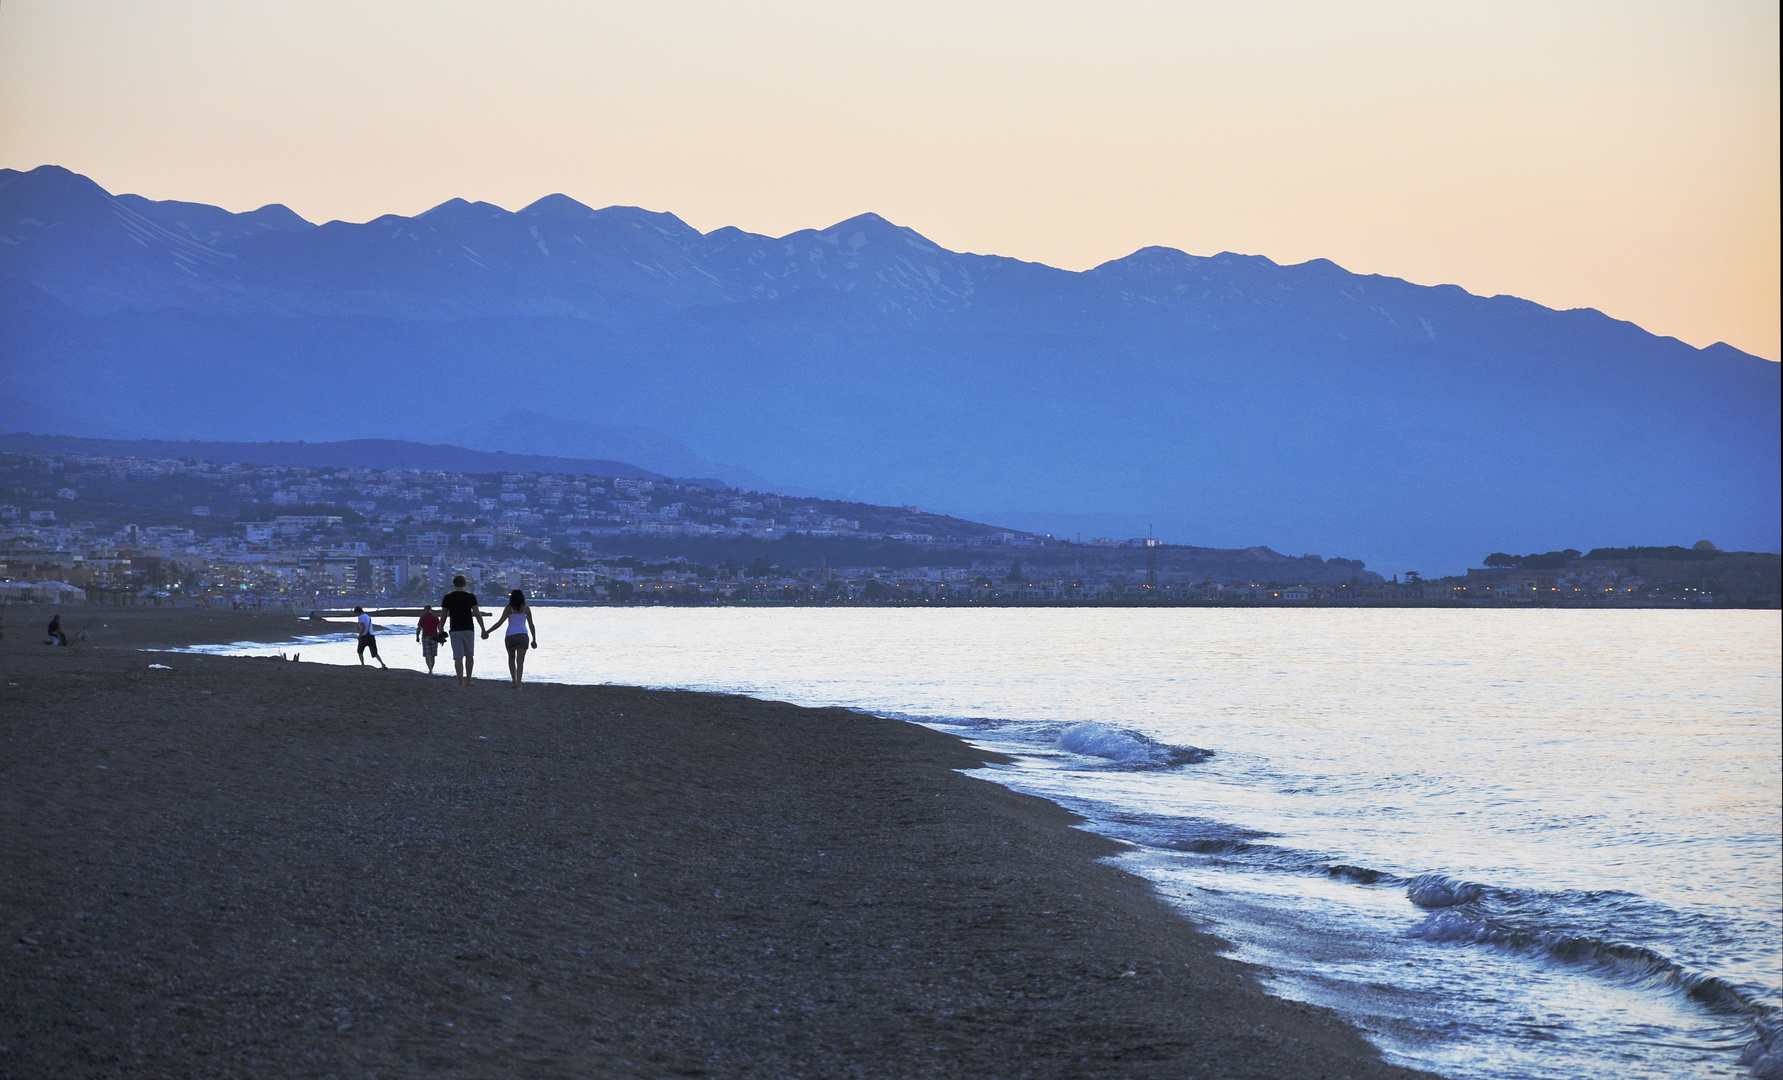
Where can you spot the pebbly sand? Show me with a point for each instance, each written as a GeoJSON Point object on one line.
{"type": "Point", "coordinates": [254, 868]}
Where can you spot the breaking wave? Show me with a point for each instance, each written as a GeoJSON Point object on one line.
{"type": "Point", "coordinates": [1469, 913]}
{"type": "Point", "coordinates": [1436, 891]}
{"type": "Point", "coordinates": [1128, 748]}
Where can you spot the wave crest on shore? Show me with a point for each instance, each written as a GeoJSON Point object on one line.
{"type": "Point", "coordinates": [1468, 913]}
{"type": "Point", "coordinates": [1128, 748]}
{"type": "Point", "coordinates": [1437, 891]}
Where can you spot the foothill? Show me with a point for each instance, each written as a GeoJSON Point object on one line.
{"type": "Point", "coordinates": [186, 531]}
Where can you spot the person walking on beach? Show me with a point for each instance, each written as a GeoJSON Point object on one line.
{"type": "Point", "coordinates": [57, 637]}
{"type": "Point", "coordinates": [368, 640]}
{"type": "Point", "coordinates": [461, 608]}
{"type": "Point", "coordinates": [427, 632]}
{"type": "Point", "coordinates": [521, 625]}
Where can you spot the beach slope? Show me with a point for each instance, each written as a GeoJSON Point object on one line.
{"type": "Point", "coordinates": [248, 867]}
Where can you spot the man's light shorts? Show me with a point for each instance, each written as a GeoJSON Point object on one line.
{"type": "Point", "coordinates": [464, 644]}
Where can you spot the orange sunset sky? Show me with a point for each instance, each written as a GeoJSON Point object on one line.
{"type": "Point", "coordinates": [1622, 156]}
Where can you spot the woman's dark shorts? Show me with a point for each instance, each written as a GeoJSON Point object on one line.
{"type": "Point", "coordinates": [516, 643]}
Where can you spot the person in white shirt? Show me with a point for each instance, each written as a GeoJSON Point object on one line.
{"type": "Point", "coordinates": [521, 625]}
{"type": "Point", "coordinates": [367, 640]}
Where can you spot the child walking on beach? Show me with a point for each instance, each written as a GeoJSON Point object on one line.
{"type": "Point", "coordinates": [368, 640]}
{"type": "Point", "coordinates": [521, 625]}
{"type": "Point", "coordinates": [427, 632]}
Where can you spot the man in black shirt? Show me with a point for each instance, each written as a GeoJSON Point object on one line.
{"type": "Point", "coordinates": [461, 608]}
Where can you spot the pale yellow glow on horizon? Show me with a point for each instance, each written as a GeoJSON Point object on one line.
{"type": "Point", "coordinates": [1622, 156]}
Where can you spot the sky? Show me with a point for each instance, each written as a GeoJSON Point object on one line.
{"type": "Point", "coordinates": [1622, 156]}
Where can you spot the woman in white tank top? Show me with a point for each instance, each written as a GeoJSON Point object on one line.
{"type": "Point", "coordinates": [521, 626]}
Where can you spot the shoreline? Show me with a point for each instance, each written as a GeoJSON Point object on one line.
{"type": "Point", "coordinates": [244, 866]}
{"type": "Point", "coordinates": [401, 610]}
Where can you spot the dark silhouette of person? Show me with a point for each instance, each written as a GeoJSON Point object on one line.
{"type": "Point", "coordinates": [461, 609]}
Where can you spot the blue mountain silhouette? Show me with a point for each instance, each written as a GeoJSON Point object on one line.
{"type": "Point", "coordinates": [1227, 400]}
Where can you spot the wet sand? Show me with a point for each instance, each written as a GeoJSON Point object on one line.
{"type": "Point", "coordinates": [253, 868]}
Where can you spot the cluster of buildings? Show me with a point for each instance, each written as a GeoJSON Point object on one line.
{"type": "Point", "coordinates": [129, 530]}
{"type": "Point", "coordinates": [1587, 583]}
{"type": "Point", "coordinates": [444, 510]}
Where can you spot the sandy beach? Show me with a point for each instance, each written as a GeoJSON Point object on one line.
{"type": "Point", "coordinates": [248, 868]}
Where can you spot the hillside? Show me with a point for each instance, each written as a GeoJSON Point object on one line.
{"type": "Point", "coordinates": [63, 506]}
{"type": "Point", "coordinates": [346, 454]}
{"type": "Point", "coordinates": [1225, 400]}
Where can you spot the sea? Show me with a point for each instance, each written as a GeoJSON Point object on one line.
{"type": "Point", "coordinates": [1504, 843]}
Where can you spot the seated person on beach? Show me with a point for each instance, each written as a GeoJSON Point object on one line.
{"type": "Point", "coordinates": [57, 637]}
{"type": "Point", "coordinates": [461, 608]}
{"type": "Point", "coordinates": [520, 626]}
{"type": "Point", "coordinates": [367, 640]}
{"type": "Point", "coordinates": [427, 632]}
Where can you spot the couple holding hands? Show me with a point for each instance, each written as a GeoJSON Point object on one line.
{"type": "Point", "coordinates": [461, 610]}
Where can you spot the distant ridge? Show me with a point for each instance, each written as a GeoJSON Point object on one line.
{"type": "Point", "coordinates": [346, 454]}
{"type": "Point", "coordinates": [525, 431]}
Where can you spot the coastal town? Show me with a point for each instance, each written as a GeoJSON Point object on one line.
{"type": "Point", "coordinates": [82, 528]}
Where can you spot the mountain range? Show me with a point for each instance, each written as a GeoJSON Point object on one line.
{"type": "Point", "coordinates": [1223, 400]}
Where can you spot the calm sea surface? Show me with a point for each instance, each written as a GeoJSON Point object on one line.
{"type": "Point", "coordinates": [1504, 843]}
